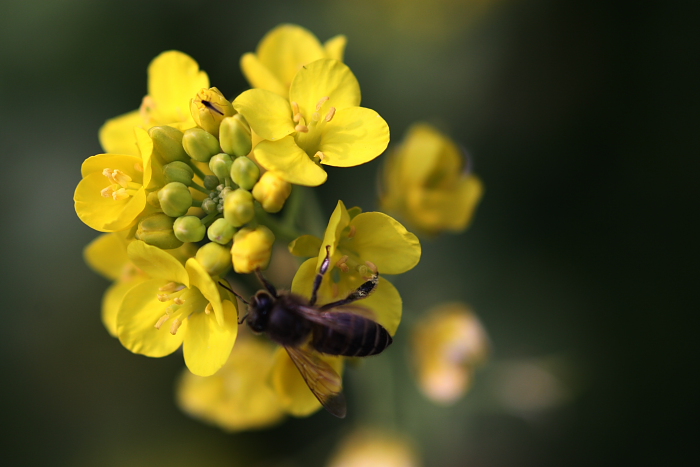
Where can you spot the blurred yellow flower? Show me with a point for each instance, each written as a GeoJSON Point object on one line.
{"type": "Point", "coordinates": [375, 448]}
{"type": "Point", "coordinates": [425, 184]}
{"type": "Point", "coordinates": [320, 122]}
{"type": "Point", "coordinates": [173, 79]}
{"type": "Point", "coordinates": [447, 345]}
{"type": "Point", "coordinates": [238, 396]}
{"type": "Point", "coordinates": [282, 53]}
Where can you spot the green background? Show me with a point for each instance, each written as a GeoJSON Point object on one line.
{"type": "Point", "coordinates": [579, 117]}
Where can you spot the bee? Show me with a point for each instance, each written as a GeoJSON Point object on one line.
{"type": "Point", "coordinates": [306, 329]}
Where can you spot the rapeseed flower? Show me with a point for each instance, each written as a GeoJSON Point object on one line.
{"type": "Point", "coordinates": [282, 53]}
{"type": "Point", "coordinates": [173, 79]}
{"type": "Point", "coordinates": [319, 122]}
{"type": "Point", "coordinates": [425, 182]}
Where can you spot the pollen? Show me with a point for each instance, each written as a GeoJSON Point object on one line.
{"type": "Point", "coordinates": [321, 102]}
{"type": "Point", "coordinates": [176, 325]}
{"type": "Point", "coordinates": [330, 114]}
{"type": "Point", "coordinates": [162, 320]}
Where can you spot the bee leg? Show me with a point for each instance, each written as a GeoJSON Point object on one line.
{"type": "Point", "coordinates": [319, 277]}
{"type": "Point", "coordinates": [270, 288]}
{"type": "Point", "coordinates": [361, 292]}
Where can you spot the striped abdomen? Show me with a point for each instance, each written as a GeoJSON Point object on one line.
{"type": "Point", "coordinates": [350, 335]}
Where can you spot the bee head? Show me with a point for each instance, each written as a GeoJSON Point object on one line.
{"type": "Point", "coordinates": [260, 308]}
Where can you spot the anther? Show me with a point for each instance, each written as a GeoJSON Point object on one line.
{"type": "Point", "coordinates": [295, 107]}
{"type": "Point", "coordinates": [107, 192]}
{"type": "Point", "coordinates": [297, 117]}
{"type": "Point", "coordinates": [171, 287]}
{"type": "Point", "coordinates": [372, 267]}
{"type": "Point", "coordinates": [162, 320]}
{"type": "Point", "coordinates": [120, 194]}
{"type": "Point", "coordinates": [121, 178]}
{"type": "Point", "coordinates": [330, 114]}
{"type": "Point", "coordinates": [320, 155]}
{"type": "Point", "coordinates": [175, 326]}
{"type": "Point", "coordinates": [208, 309]}
{"type": "Point", "coordinates": [341, 264]}
{"type": "Point", "coordinates": [178, 301]}
{"type": "Point", "coordinates": [301, 128]}
{"type": "Point", "coordinates": [321, 102]}
{"type": "Point", "coordinates": [334, 288]}
{"type": "Point", "coordinates": [353, 231]}
{"type": "Point", "coordinates": [138, 167]}
{"type": "Point", "coordinates": [163, 297]}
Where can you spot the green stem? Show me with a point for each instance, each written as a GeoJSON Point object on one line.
{"type": "Point", "coordinates": [209, 218]}
{"type": "Point", "coordinates": [196, 169]}
{"type": "Point", "coordinates": [198, 187]}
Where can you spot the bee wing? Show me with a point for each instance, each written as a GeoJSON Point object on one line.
{"type": "Point", "coordinates": [321, 378]}
{"type": "Point", "coordinates": [334, 317]}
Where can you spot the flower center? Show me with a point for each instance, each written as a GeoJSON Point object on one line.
{"type": "Point", "coordinates": [178, 295]}
{"type": "Point", "coordinates": [120, 185]}
{"type": "Point", "coordinates": [310, 129]}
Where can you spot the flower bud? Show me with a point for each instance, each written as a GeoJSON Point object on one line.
{"type": "Point", "coordinates": [221, 165]}
{"type": "Point", "coordinates": [252, 249]}
{"type": "Point", "coordinates": [200, 145]}
{"type": "Point", "coordinates": [157, 230]}
{"type": "Point", "coordinates": [178, 171]}
{"type": "Point", "coordinates": [239, 208]}
{"type": "Point", "coordinates": [245, 173]}
{"type": "Point", "coordinates": [167, 143]}
{"type": "Point", "coordinates": [189, 229]}
{"type": "Point", "coordinates": [234, 136]}
{"type": "Point", "coordinates": [211, 182]}
{"type": "Point", "coordinates": [208, 108]}
{"type": "Point", "coordinates": [215, 258]}
{"type": "Point", "coordinates": [152, 199]}
{"type": "Point", "coordinates": [272, 192]}
{"type": "Point", "coordinates": [220, 231]}
{"type": "Point", "coordinates": [175, 199]}
{"type": "Point", "coordinates": [209, 206]}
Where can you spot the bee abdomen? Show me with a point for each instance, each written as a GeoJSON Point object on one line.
{"type": "Point", "coordinates": [357, 337]}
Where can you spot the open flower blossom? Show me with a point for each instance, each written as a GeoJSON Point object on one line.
{"type": "Point", "coordinates": [319, 123]}
{"type": "Point", "coordinates": [179, 306]}
{"type": "Point", "coordinates": [447, 346]}
{"type": "Point", "coordinates": [112, 193]}
{"type": "Point", "coordinates": [173, 79]}
{"type": "Point", "coordinates": [283, 52]}
{"type": "Point", "coordinates": [425, 182]}
{"type": "Point", "coordinates": [375, 448]}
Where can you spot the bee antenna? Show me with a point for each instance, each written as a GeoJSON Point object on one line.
{"type": "Point", "coordinates": [234, 293]}
{"type": "Point", "coordinates": [242, 320]}
{"type": "Point", "coordinates": [270, 288]}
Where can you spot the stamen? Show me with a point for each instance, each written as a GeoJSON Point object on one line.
{"type": "Point", "coordinates": [297, 117]}
{"type": "Point", "coordinates": [121, 178]}
{"type": "Point", "coordinates": [163, 297]}
{"type": "Point", "coordinates": [341, 264]}
{"type": "Point", "coordinates": [295, 107]}
{"type": "Point", "coordinates": [120, 194]}
{"type": "Point", "coordinates": [353, 231]}
{"type": "Point", "coordinates": [162, 320]}
{"type": "Point", "coordinates": [301, 128]}
{"type": "Point", "coordinates": [209, 309]}
{"type": "Point", "coordinates": [321, 102]}
{"type": "Point", "coordinates": [330, 114]}
{"type": "Point", "coordinates": [171, 287]}
{"type": "Point", "coordinates": [334, 289]}
{"type": "Point", "coordinates": [371, 266]}
{"type": "Point", "coordinates": [316, 116]}
{"type": "Point", "coordinates": [107, 192]}
{"type": "Point", "coordinates": [138, 167]}
{"type": "Point", "coordinates": [108, 173]}
{"type": "Point", "coordinates": [178, 301]}
{"type": "Point", "coordinates": [175, 326]}
{"type": "Point", "coordinates": [320, 155]}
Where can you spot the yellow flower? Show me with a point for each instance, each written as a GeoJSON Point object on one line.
{"type": "Point", "coordinates": [238, 396]}
{"type": "Point", "coordinates": [179, 305]}
{"type": "Point", "coordinates": [252, 249]}
{"type": "Point", "coordinates": [112, 193]}
{"type": "Point", "coordinates": [282, 53]}
{"type": "Point", "coordinates": [447, 345]}
{"type": "Point", "coordinates": [424, 182]}
{"type": "Point", "coordinates": [173, 79]}
{"type": "Point", "coordinates": [375, 448]}
{"type": "Point", "coordinates": [356, 238]}
{"type": "Point", "coordinates": [319, 123]}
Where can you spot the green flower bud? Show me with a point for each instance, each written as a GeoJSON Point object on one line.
{"type": "Point", "coordinates": [239, 208]}
{"type": "Point", "coordinates": [215, 258]}
{"type": "Point", "coordinates": [245, 173]}
{"type": "Point", "coordinates": [221, 165]}
{"type": "Point", "coordinates": [211, 182]}
{"type": "Point", "coordinates": [157, 230]}
{"type": "Point", "coordinates": [175, 199]}
{"type": "Point", "coordinates": [189, 229]}
{"type": "Point", "coordinates": [152, 199]}
{"type": "Point", "coordinates": [272, 192]}
{"type": "Point", "coordinates": [178, 171]}
{"type": "Point", "coordinates": [220, 231]}
{"type": "Point", "coordinates": [200, 145]}
{"type": "Point", "coordinates": [234, 136]}
{"type": "Point", "coordinates": [167, 143]}
{"type": "Point", "coordinates": [208, 108]}
{"type": "Point", "coordinates": [209, 206]}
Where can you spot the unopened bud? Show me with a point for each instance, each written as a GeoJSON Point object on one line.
{"type": "Point", "coordinates": [178, 171]}
{"type": "Point", "coordinates": [157, 230]}
{"type": "Point", "coordinates": [200, 145]}
{"type": "Point", "coordinates": [208, 108]}
{"type": "Point", "coordinates": [175, 199]}
{"type": "Point", "coordinates": [189, 229]}
{"type": "Point", "coordinates": [245, 173]}
{"type": "Point", "coordinates": [220, 231]}
{"type": "Point", "coordinates": [221, 165]}
{"type": "Point", "coordinates": [272, 192]}
{"type": "Point", "coordinates": [252, 249]}
{"type": "Point", "coordinates": [209, 206]}
{"type": "Point", "coordinates": [234, 136]}
{"type": "Point", "coordinates": [167, 143]}
{"type": "Point", "coordinates": [215, 258]}
{"type": "Point", "coordinates": [152, 199]}
{"type": "Point", "coordinates": [211, 182]}
{"type": "Point", "coordinates": [239, 208]}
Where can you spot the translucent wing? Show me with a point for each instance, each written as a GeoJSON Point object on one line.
{"type": "Point", "coordinates": [321, 378]}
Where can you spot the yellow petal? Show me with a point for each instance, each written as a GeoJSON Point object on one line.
{"type": "Point", "coordinates": [173, 79]}
{"type": "Point", "coordinates": [124, 162]}
{"type": "Point", "coordinates": [306, 245]}
{"type": "Point", "coordinates": [117, 134]}
{"type": "Point", "coordinates": [112, 301]}
{"type": "Point", "coordinates": [202, 280]}
{"type": "Point", "coordinates": [289, 162]}
{"type": "Point", "coordinates": [107, 255]}
{"type": "Point", "coordinates": [338, 221]}
{"type": "Point", "coordinates": [355, 135]}
{"type": "Point", "coordinates": [268, 114]}
{"type": "Point", "coordinates": [385, 242]}
{"type": "Point", "coordinates": [152, 168]}
{"type": "Point", "coordinates": [106, 214]}
{"type": "Point", "coordinates": [157, 263]}
{"type": "Point", "coordinates": [207, 344]}
{"type": "Point", "coordinates": [324, 78]}
{"type": "Point", "coordinates": [335, 47]}
{"type": "Point", "coordinates": [136, 320]}
{"type": "Point", "coordinates": [287, 48]}
{"type": "Point", "coordinates": [260, 77]}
